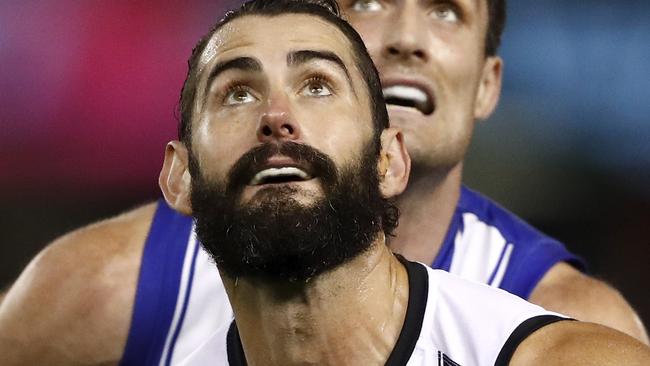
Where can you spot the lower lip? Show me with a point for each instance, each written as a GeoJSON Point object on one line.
{"type": "Point", "coordinates": [298, 182]}
{"type": "Point", "coordinates": [277, 184]}
{"type": "Point", "coordinates": [404, 110]}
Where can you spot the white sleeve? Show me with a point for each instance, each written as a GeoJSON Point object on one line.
{"type": "Point", "coordinates": [472, 322]}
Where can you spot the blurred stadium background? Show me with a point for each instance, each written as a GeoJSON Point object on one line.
{"type": "Point", "coordinates": [89, 89]}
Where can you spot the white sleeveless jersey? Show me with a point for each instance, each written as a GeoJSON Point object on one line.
{"type": "Point", "coordinates": [180, 301]}
{"type": "Point", "coordinates": [449, 321]}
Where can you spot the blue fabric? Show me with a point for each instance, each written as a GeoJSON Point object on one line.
{"type": "Point", "coordinates": [534, 253]}
{"type": "Point", "coordinates": [158, 284]}
{"type": "Point", "coordinates": [186, 301]}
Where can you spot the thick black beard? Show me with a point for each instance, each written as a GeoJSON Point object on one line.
{"type": "Point", "coordinates": [278, 238]}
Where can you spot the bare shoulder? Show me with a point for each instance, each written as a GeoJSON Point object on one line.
{"type": "Point", "coordinates": [579, 343]}
{"type": "Point", "coordinates": [73, 302]}
{"type": "Point", "coordinates": [568, 291]}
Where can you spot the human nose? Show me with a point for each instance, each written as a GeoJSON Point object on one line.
{"type": "Point", "coordinates": [404, 37]}
{"type": "Point", "coordinates": [277, 123]}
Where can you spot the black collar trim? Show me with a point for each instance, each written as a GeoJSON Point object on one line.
{"type": "Point", "coordinates": [522, 332]}
{"type": "Point", "coordinates": [408, 337]}
{"type": "Point", "coordinates": [235, 349]}
{"type": "Point", "coordinates": [418, 294]}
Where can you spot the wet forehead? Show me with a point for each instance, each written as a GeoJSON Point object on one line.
{"type": "Point", "coordinates": [257, 36]}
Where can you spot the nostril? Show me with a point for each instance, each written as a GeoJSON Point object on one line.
{"type": "Point", "coordinates": [266, 131]}
{"type": "Point", "coordinates": [419, 54]}
{"type": "Point", "coordinates": [393, 51]}
{"type": "Point", "coordinates": [288, 129]}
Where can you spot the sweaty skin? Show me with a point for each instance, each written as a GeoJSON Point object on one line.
{"type": "Point", "coordinates": [72, 305]}
{"type": "Point", "coordinates": [578, 343]}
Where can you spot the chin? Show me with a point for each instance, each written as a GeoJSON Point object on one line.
{"type": "Point", "coordinates": [429, 160]}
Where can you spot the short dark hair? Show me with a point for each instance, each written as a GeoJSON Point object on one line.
{"type": "Point", "coordinates": [496, 23]}
{"type": "Point", "coordinates": [325, 9]}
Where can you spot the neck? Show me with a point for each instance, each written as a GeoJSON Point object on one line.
{"type": "Point", "coordinates": [426, 209]}
{"type": "Point", "coordinates": [350, 315]}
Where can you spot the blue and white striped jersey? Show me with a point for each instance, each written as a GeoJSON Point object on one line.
{"type": "Point", "coordinates": [180, 301]}
{"type": "Point", "coordinates": [488, 244]}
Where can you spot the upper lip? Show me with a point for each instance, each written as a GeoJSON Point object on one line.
{"type": "Point", "coordinates": [412, 81]}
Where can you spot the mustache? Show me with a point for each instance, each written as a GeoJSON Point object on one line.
{"type": "Point", "coordinates": [313, 161]}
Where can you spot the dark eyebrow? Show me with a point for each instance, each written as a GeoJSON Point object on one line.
{"type": "Point", "coordinates": [239, 63]}
{"type": "Point", "coordinates": [296, 58]}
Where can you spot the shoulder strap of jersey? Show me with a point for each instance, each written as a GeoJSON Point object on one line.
{"type": "Point", "coordinates": [530, 253]}
{"type": "Point", "coordinates": [158, 285]}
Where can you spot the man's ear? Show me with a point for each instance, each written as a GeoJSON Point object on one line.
{"type": "Point", "coordinates": [394, 163]}
{"type": "Point", "coordinates": [174, 179]}
{"type": "Point", "coordinates": [489, 88]}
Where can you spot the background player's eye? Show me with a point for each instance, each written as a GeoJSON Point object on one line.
{"type": "Point", "coordinates": [446, 12]}
{"type": "Point", "coordinates": [238, 95]}
{"type": "Point", "coordinates": [366, 5]}
{"type": "Point", "coordinates": [316, 87]}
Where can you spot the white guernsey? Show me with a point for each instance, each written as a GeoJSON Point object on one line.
{"type": "Point", "coordinates": [449, 321]}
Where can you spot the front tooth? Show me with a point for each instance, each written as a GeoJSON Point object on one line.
{"type": "Point", "coordinates": [276, 172]}
{"type": "Point", "coordinates": [405, 92]}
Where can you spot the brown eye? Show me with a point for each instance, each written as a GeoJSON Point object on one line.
{"type": "Point", "coordinates": [238, 95]}
{"type": "Point", "coordinates": [316, 88]}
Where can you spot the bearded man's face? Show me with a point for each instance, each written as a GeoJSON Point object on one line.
{"type": "Point", "coordinates": [284, 148]}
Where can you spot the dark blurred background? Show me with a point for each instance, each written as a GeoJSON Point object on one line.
{"type": "Point", "coordinates": [89, 89]}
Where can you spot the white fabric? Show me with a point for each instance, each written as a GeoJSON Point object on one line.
{"type": "Point", "coordinates": [207, 309]}
{"type": "Point", "coordinates": [477, 250]}
{"type": "Point", "coordinates": [467, 321]}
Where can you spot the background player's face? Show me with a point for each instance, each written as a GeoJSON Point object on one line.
{"type": "Point", "coordinates": [282, 85]}
{"type": "Point", "coordinates": [430, 57]}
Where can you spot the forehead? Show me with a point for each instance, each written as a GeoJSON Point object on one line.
{"type": "Point", "coordinates": [266, 36]}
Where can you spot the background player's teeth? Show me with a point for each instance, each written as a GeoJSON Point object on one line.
{"type": "Point", "coordinates": [405, 92]}
{"type": "Point", "coordinates": [276, 172]}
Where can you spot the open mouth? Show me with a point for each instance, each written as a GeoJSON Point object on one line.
{"type": "Point", "coordinates": [280, 175]}
{"type": "Point", "coordinates": [409, 96]}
